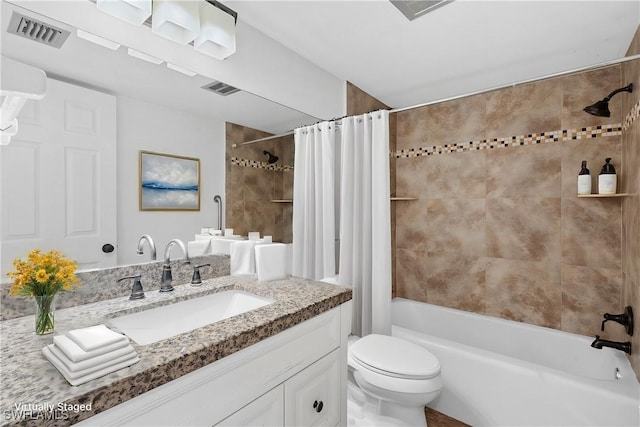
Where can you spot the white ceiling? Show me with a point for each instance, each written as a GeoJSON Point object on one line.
{"type": "Point", "coordinates": [463, 47]}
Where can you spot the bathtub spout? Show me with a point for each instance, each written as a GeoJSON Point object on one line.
{"type": "Point", "coordinates": [622, 346]}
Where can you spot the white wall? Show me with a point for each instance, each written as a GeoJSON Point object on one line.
{"type": "Point", "coordinates": [145, 126]}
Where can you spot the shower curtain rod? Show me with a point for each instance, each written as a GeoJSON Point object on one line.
{"type": "Point", "coordinates": [521, 82]}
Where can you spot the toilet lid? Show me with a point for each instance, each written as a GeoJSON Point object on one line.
{"type": "Point", "coordinates": [395, 357]}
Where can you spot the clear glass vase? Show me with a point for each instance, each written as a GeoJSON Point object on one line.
{"type": "Point", "coordinates": [45, 312]}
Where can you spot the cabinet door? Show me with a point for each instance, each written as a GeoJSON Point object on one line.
{"type": "Point", "coordinates": [267, 410]}
{"type": "Point", "coordinates": [312, 397]}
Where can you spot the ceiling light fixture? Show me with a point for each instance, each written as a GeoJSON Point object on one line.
{"type": "Point", "coordinates": [176, 20]}
{"type": "Point", "coordinates": [132, 11]}
{"type": "Point", "coordinates": [97, 40]}
{"type": "Point", "coordinates": [179, 69]}
{"type": "Point", "coordinates": [144, 56]}
{"type": "Point", "coordinates": [217, 36]}
{"type": "Point", "coordinates": [601, 108]}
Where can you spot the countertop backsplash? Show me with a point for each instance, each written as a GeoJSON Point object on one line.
{"type": "Point", "coordinates": [99, 285]}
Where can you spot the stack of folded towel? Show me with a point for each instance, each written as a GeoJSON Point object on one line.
{"type": "Point", "coordinates": [82, 355]}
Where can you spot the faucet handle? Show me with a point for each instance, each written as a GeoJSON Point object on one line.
{"type": "Point", "coordinates": [195, 279]}
{"type": "Point", "coordinates": [137, 292]}
{"type": "Point", "coordinates": [625, 319]}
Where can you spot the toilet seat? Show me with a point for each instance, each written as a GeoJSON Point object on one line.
{"type": "Point", "coordinates": [394, 357]}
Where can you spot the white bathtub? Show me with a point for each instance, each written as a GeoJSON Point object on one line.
{"type": "Point", "coordinates": [502, 373]}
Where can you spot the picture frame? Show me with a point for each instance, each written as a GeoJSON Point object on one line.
{"type": "Point", "coordinates": [168, 182]}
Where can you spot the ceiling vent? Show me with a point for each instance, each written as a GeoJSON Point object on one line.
{"type": "Point", "coordinates": [221, 88]}
{"type": "Point", "coordinates": [413, 9]}
{"type": "Point", "coordinates": [35, 30]}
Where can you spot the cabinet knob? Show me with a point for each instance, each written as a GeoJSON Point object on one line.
{"type": "Point", "coordinates": [318, 405]}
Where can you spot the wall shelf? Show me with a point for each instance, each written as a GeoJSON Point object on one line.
{"type": "Point", "coordinates": [282, 201]}
{"type": "Point", "coordinates": [604, 195]}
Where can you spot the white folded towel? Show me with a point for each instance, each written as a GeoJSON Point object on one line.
{"type": "Point", "coordinates": [87, 365]}
{"type": "Point", "coordinates": [94, 337]}
{"type": "Point", "coordinates": [74, 374]}
{"type": "Point", "coordinates": [96, 374]}
{"type": "Point", "coordinates": [199, 247]}
{"type": "Point", "coordinates": [242, 257]}
{"type": "Point", "coordinates": [76, 354]}
{"type": "Point", "coordinates": [271, 261]}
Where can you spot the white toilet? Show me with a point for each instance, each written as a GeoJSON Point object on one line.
{"type": "Point", "coordinates": [390, 380]}
{"type": "Point", "coordinates": [398, 377]}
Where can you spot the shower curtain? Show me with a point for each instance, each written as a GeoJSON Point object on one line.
{"type": "Point", "coordinates": [365, 221]}
{"type": "Point", "coordinates": [313, 202]}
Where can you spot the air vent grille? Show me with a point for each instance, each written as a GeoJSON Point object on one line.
{"type": "Point", "coordinates": [221, 88]}
{"type": "Point", "coordinates": [413, 9]}
{"type": "Point", "coordinates": [35, 30]}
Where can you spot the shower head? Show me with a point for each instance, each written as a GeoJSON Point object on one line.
{"type": "Point", "coordinates": [272, 159]}
{"type": "Point", "coordinates": [601, 108]}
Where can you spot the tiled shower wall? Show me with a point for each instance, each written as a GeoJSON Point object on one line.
{"type": "Point", "coordinates": [497, 228]}
{"type": "Point", "coordinates": [631, 205]}
{"type": "Point", "coordinates": [252, 184]}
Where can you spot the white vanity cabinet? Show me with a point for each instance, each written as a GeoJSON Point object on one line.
{"type": "Point", "coordinates": [274, 382]}
{"type": "Point", "coordinates": [313, 396]}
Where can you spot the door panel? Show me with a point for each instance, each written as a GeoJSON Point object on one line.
{"type": "Point", "coordinates": [58, 178]}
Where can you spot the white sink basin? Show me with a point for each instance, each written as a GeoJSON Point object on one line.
{"type": "Point", "coordinates": [156, 324]}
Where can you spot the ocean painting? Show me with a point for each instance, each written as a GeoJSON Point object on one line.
{"type": "Point", "coordinates": [169, 182]}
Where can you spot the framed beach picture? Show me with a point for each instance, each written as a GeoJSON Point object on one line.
{"type": "Point", "coordinates": [168, 182]}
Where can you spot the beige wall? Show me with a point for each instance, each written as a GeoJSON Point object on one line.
{"type": "Point", "coordinates": [499, 230]}
{"type": "Point", "coordinates": [252, 184]}
{"type": "Point", "coordinates": [631, 205]}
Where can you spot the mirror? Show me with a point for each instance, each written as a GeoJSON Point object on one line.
{"type": "Point", "coordinates": [158, 109]}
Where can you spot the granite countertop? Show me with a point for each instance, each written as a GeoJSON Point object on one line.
{"type": "Point", "coordinates": [30, 382]}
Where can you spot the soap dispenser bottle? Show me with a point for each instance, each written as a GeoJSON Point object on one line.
{"type": "Point", "coordinates": [584, 179]}
{"type": "Point", "coordinates": [607, 178]}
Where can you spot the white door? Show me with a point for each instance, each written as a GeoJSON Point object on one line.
{"type": "Point", "coordinates": [58, 179]}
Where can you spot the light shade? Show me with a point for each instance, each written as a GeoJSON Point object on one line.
{"type": "Point", "coordinates": [132, 11]}
{"type": "Point", "coordinates": [176, 20]}
{"type": "Point", "coordinates": [98, 40]}
{"type": "Point", "coordinates": [217, 36]}
{"type": "Point", "coordinates": [144, 56]}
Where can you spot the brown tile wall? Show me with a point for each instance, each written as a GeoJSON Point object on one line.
{"type": "Point", "coordinates": [250, 190]}
{"type": "Point", "coordinates": [500, 230]}
{"type": "Point", "coordinates": [630, 182]}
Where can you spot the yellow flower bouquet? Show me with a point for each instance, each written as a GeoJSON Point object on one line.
{"type": "Point", "coordinates": [43, 275]}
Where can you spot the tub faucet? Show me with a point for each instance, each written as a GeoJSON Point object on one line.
{"type": "Point", "coordinates": [622, 346]}
{"type": "Point", "coordinates": [151, 243]}
{"type": "Point", "coordinates": [165, 283]}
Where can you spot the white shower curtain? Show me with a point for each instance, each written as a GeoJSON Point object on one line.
{"type": "Point", "coordinates": [313, 202]}
{"type": "Point", "coordinates": [365, 221]}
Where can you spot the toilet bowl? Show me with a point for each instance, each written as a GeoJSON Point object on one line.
{"type": "Point", "coordinates": [398, 377]}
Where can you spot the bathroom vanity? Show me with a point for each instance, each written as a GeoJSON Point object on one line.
{"type": "Point", "coordinates": [281, 364]}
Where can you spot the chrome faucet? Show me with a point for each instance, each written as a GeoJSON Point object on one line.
{"type": "Point", "coordinates": [151, 243]}
{"type": "Point", "coordinates": [622, 346]}
{"type": "Point", "coordinates": [165, 283]}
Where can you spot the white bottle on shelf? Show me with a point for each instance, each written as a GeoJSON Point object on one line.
{"type": "Point", "coordinates": [607, 179]}
{"type": "Point", "coordinates": [584, 179]}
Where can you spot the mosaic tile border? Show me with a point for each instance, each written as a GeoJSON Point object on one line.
{"type": "Point", "coordinates": [246, 163]}
{"type": "Point", "coordinates": [631, 117]}
{"type": "Point", "coordinates": [518, 140]}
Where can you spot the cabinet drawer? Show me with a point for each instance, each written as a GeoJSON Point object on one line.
{"type": "Point", "coordinates": [313, 396]}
